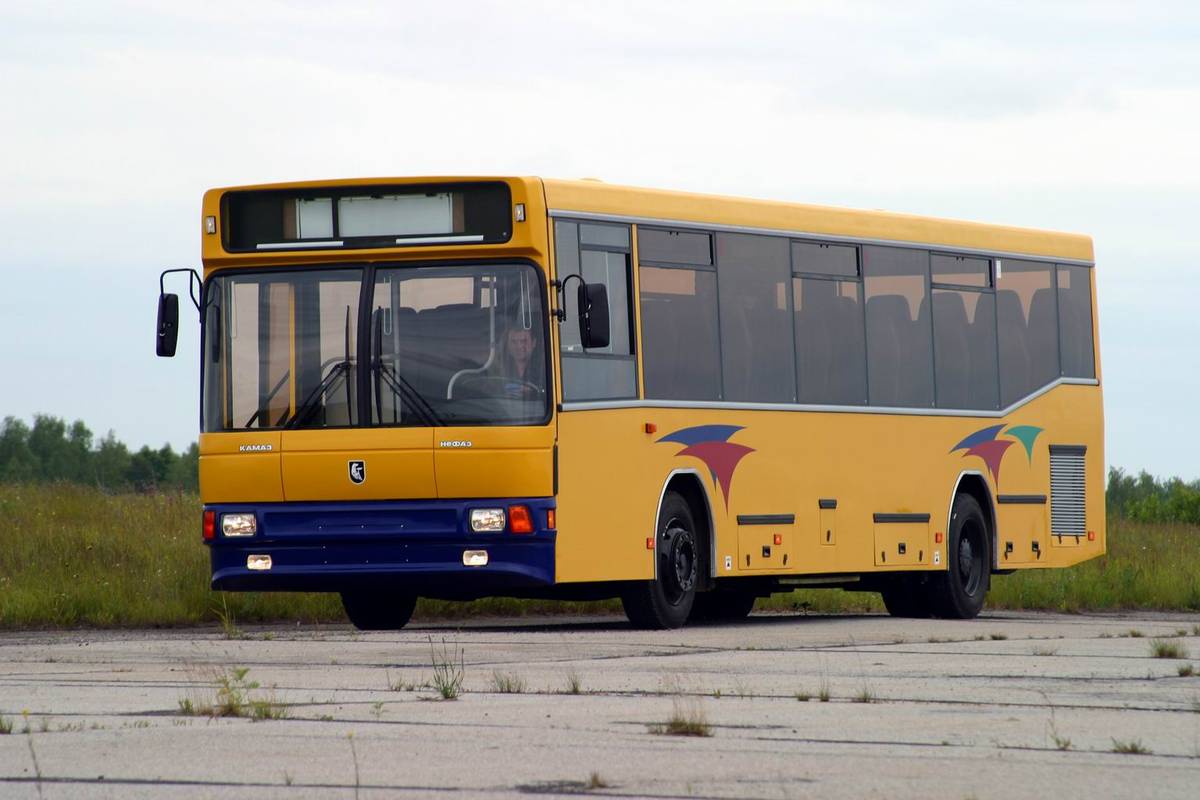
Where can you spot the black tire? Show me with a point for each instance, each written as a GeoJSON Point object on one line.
{"type": "Point", "coordinates": [907, 596]}
{"type": "Point", "coordinates": [959, 592]}
{"type": "Point", "coordinates": [722, 606]}
{"type": "Point", "coordinates": [666, 601]}
{"type": "Point", "coordinates": [378, 611]}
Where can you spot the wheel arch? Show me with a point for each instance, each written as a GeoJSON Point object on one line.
{"type": "Point", "coordinates": [687, 483]}
{"type": "Point", "coordinates": [974, 484]}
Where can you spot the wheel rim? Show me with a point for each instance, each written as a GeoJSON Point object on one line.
{"type": "Point", "coordinates": [970, 557]}
{"type": "Point", "coordinates": [678, 562]}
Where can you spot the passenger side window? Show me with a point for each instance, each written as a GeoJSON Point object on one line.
{"type": "Point", "coordinates": [1075, 321]}
{"type": "Point", "coordinates": [899, 336]}
{"type": "Point", "coordinates": [754, 293]}
{"type": "Point", "coordinates": [681, 348]}
{"type": "Point", "coordinates": [1027, 319]}
{"type": "Point", "coordinates": [600, 253]}
{"type": "Point", "coordinates": [964, 333]}
{"type": "Point", "coordinates": [831, 359]}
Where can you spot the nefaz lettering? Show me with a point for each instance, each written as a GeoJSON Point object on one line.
{"type": "Point", "coordinates": [455, 443]}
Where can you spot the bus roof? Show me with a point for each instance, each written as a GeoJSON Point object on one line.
{"type": "Point", "coordinates": [715, 211]}
{"type": "Point", "coordinates": [672, 208]}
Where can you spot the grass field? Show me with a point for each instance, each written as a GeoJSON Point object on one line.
{"type": "Point", "coordinates": [74, 556]}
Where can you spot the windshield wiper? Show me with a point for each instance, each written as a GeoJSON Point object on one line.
{"type": "Point", "coordinates": [312, 402]}
{"type": "Point", "coordinates": [306, 409]}
{"type": "Point", "coordinates": [395, 381]}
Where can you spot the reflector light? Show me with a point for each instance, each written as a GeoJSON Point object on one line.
{"type": "Point", "coordinates": [487, 520]}
{"type": "Point", "coordinates": [210, 525]}
{"type": "Point", "coordinates": [651, 427]}
{"type": "Point", "coordinates": [779, 538]}
{"type": "Point", "coordinates": [475, 558]}
{"type": "Point", "coordinates": [258, 562]}
{"type": "Point", "coordinates": [649, 542]}
{"type": "Point", "coordinates": [238, 525]}
{"type": "Point", "coordinates": [519, 211]}
{"type": "Point", "coordinates": [519, 519]}
{"type": "Point", "coordinates": [1091, 536]}
{"type": "Point", "coordinates": [210, 225]}
{"type": "Point", "coordinates": [551, 520]}
{"type": "Point", "coordinates": [937, 538]}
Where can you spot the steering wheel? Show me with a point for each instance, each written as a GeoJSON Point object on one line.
{"type": "Point", "coordinates": [510, 388]}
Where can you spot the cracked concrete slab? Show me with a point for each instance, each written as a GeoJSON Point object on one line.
{"type": "Point", "coordinates": [1008, 705]}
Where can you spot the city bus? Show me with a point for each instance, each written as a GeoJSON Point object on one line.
{"type": "Point", "coordinates": [478, 386]}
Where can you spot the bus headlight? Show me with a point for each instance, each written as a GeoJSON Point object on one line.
{"type": "Point", "coordinates": [238, 525]}
{"type": "Point", "coordinates": [487, 520]}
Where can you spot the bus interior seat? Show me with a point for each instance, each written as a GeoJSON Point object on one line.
{"type": "Point", "coordinates": [952, 350]}
{"type": "Point", "coordinates": [889, 330]}
{"type": "Point", "coordinates": [1015, 367]}
{"type": "Point", "coordinates": [1043, 320]}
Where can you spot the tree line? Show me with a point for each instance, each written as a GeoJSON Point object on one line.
{"type": "Point", "coordinates": [51, 450]}
{"type": "Point", "coordinates": [1149, 499]}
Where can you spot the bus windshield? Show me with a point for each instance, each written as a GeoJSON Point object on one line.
{"type": "Point", "coordinates": [462, 345]}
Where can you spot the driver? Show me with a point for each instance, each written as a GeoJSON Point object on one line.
{"type": "Point", "coordinates": [515, 363]}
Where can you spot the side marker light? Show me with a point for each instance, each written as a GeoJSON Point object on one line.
{"type": "Point", "coordinates": [1091, 536]}
{"type": "Point", "coordinates": [649, 542]}
{"type": "Point", "coordinates": [779, 538]}
{"type": "Point", "coordinates": [551, 520]}
{"type": "Point", "coordinates": [650, 427]}
{"type": "Point", "coordinates": [937, 537]}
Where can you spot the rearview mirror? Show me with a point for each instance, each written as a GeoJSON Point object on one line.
{"type": "Point", "coordinates": [593, 315]}
{"type": "Point", "coordinates": [168, 325]}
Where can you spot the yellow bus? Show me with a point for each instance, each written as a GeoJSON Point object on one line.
{"type": "Point", "coordinates": [463, 387]}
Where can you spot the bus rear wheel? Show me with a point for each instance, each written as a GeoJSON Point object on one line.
{"type": "Point", "coordinates": [959, 592]}
{"type": "Point", "coordinates": [378, 611]}
{"type": "Point", "coordinates": [666, 601]}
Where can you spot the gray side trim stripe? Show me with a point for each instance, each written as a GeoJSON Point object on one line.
{"type": "Point", "coordinates": [898, 518]}
{"type": "Point", "coordinates": [921, 412]}
{"type": "Point", "coordinates": [1021, 499]}
{"type": "Point", "coordinates": [824, 237]}
{"type": "Point", "coordinates": [766, 519]}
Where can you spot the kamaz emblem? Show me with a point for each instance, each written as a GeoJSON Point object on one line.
{"type": "Point", "coordinates": [358, 471]}
{"type": "Point", "coordinates": [255, 448]}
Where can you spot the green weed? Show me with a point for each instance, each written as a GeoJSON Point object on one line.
{"type": "Point", "coordinates": [1131, 747]}
{"type": "Point", "coordinates": [234, 696]}
{"type": "Point", "coordinates": [507, 682]}
{"type": "Point", "coordinates": [574, 682]}
{"type": "Point", "coordinates": [1161, 648]}
{"type": "Point", "coordinates": [1186, 670]}
{"type": "Point", "coordinates": [447, 674]}
{"type": "Point", "coordinates": [6, 725]}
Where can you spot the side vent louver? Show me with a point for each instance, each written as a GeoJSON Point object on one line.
{"type": "Point", "coordinates": [1067, 490]}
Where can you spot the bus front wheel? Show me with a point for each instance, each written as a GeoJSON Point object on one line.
{"type": "Point", "coordinates": [378, 611]}
{"type": "Point", "coordinates": [958, 593]}
{"type": "Point", "coordinates": [666, 601]}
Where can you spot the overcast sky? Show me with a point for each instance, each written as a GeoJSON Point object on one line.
{"type": "Point", "coordinates": [115, 117]}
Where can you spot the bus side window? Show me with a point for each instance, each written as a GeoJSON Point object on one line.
{"type": "Point", "coordinates": [599, 253]}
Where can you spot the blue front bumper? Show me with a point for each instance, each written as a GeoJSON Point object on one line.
{"type": "Point", "coordinates": [410, 545]}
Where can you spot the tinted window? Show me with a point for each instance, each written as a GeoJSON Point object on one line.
{"type": "Point", "coordinates": [753, 278]}
{"type": "Point", "coordinates": [680, 344]}
{"type": "Point", "coordinates": [960, 270]}
{"type": "Point", "coordinates": [1027, 326]}
{"type": "Point", "coordinates": [605, 372]}
{"type": "Point", "coordinates": [899, 347]}
{"type": "Point", "coordinates": [830, 351]}
{"type": "Point", "coordinates": [674, 247]}
{"type": "Point", "coordinates": [1075, 321]}
{"type": "Point", "coordinates": [964, 348]}
{"type": "Point", "coordinates": [825, 259]}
